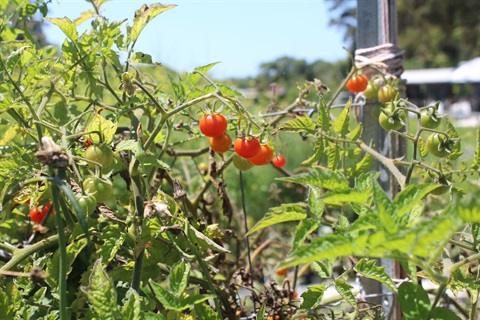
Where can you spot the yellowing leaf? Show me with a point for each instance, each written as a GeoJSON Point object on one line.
{"type": "Point", "coordinates": [100, 125]}
{"type": "Point", "coordinates": [66, 25]}
{"type": "Point", "coordinates": [10, 134]}
{"type": "Point", "coordinates": [144, 15]}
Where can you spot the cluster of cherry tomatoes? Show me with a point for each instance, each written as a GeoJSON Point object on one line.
{"type": "Point", "coordinates": [37, 214]}
{"type": "Point", "coordinates": [248, 151]}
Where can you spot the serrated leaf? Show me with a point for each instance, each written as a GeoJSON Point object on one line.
{"type": "Point", "coordinates": [356, 133]}
{"type": "Point", "coordinates": [414, 301]}
{"type": "Point", "coordinates": [318, 152]}
{"type": "Point", "coordinates": [195, 77]}
{"type": "Point", "coordinates": [324, 269]}
{"type": "Point", "coordinates": [312, 297]}
{"type": "Point", "coordinates": [144, 15]}
{"type": "Point", "coordinates": [179, 278]}
{"type": "Point", "coordinates": [192, 300]}
{"type": "Point", "coordinates": [166, 298]}
{"type": "Point", "coordinates": [369, 269]}
{"type": "Point", "coordinates": [345, 290]}
{"type": "Point", "coordinates": [321, 177]}
{"type": "Point", "coordinates": [130, 145]}
{"type": "Point", "coordinates": [101, 293]}
{"type": "Point", "coordinates": [315, 203]}
{"type": "Point", "coordinates": [112, 237]}
{"type": "Point", "coordinates": [339, 199]}
{"type": "Point", "coordinates": [340, 125]}
{"type": "Point", "coordinates": [131, 309]}
{"type": "Point", "coordinates": [298, 124]}
{"type": "Point", "coordinates": [304, 229]}
{"type": "Point", "coordinates": [66, 25]}
{"type": "Point", "coordinates": [410, 197]}
{"type": "Point", "coordinates": [323, 116]}
{"type": "Point", "coordinates": [283, 213]}
{"type": "Point", "coordinates": [365, 164]}
{"type": "Point", "coordinates": [333, 154]}
{"type": "Point", "coordinates": [456, 149]}
{"type": "Point", "coordinates": [204, 311]}
{"type": "Point", "coordinates": [104, 127]}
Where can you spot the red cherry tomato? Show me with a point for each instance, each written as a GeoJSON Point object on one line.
{"type": "Point", "coordinates": [213, 125]}
{"type": "Point", "coordinates": [37, 214]}
{"type": "Point", "coordinates": [221, 143]}
{"type": "Point", "coordinates": [279, 161]}
{"type": "Point", "coordinates": [282, 272]}
{"type": "Point", "coordinates": [247, 148]}
{"type": "Point", "coordinates": [357, 83]}
{"type": "Point", "coordinates": [263, 157]}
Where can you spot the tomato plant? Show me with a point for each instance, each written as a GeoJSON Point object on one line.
{"type": "Point", "coordinates": [279, 161]}
{"type": "Point", "coordinates": [387, 93]}
{"type": "Point", "coordinates": [392, 119]}
{"type": "Point", "coordinates": [357, 83]}
{"type": "Point", "coordinates": [100, 154]}
{"type": "Point", "coordinates": [247, 148]}
{"type": "Point", "coordinates": [101, 189]}
{"type": "Point", "coordinates": [263, 157]}
{"type": "Point", "coordinates": [213, 125]}
{"type": "Point", "coordinates": [88, 203]}
{"type": "Point", "coordinates": [241, 163]}
{"type": "Point", "coordinates": [221, 143]}
{"type": "Point", "coordinates": [371, 91]}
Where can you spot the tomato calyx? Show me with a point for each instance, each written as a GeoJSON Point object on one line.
{"type": "Point", "coordinates": [391, 117]}
{"type": "Point", "coordinates": [440, 145]}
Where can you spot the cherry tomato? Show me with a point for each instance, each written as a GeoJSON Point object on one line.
{"type": "Point", "coordinates": [282, 272]}
{"type": "Point", "coordinates": [371, 91]}
{"type": "Point", "coordinates": [391, 120]}
{"type": "Point", "coordinates": [241, 164]}
{"type": "Point", "coordinates": [428, 119]}
{"type": "Point", "coordinates": [36, 214]}
{"type": "Point", "coordinates": [439, 145]}
{"type": "Point", "coordinates": [247, 148]}
{"type": "Point", "coordinates": [221, 143]}
{"type": "Point", "coordinates": [101, 154]}
{"type": "Point", "coordinates": [279, 161]}
{"type": "Point", "coordinates": [88, 142]}
{"type": "Point", "coordinates": [213, 125]}
{"type": "Point", "coordinates": [357, 83]}
{"type": "Point", "coordinates": [101, 189]}
{"type": "Point", "coordinates": [87, 203]}
{"type": "Point", "coordinates": [263, 157]}
{"type": "Point", "coordinates": [387, 93]}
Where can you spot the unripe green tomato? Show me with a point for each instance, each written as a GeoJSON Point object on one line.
{"type": "Point", "coordinates": [371, 91]}
{"type": "Point", "coordinates": [437, 145]}
{"type": "Point", "coordinates": [428, 120]}
{"type": "Point", "coordinates": [241, 163]}
{"type": "Point", "coordinates": [101, 154]}
{"type": "Point", "coordinates": [387, 93]}
{"type": "Point", "coordinates": [392, 121]}
{"type": "Point", "coordinates": [101, 189]}
{"type": "Point", "coordinates": [87, 203]}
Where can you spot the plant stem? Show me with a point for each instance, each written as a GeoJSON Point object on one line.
{"type": "Point", "coordinates": [137, 196]}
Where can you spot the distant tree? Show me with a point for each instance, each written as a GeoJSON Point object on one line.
{"type": "Point", "coordinates": [433, 33]}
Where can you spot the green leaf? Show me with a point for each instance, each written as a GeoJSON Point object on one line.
{"type": "Point", "coordinates": [73, 250]}
{"type": "Point", "coordinates": [130, 145]}
{"type": "Point", "coordinates": [166, 298]}
{"type": "Point", "coordinates": [112, 237]}
{"type": "Point", "coordinates": [471, 214]}
{"type": "Point", "coordinates": [66, 25]}
{"type": "Point", "coordinates": [312, 297]}
{"type": "Point", "coordinates": [315, 203]}
{"type": "Point", "coordinates": [340, 125]}
{"type": "Point", "coordinates": [321, 177]}
{"type": "Point", "coordinates": [414, 301]}
{"type": "Point", "coordinates": [441, 313]}
{"type": "Point", "coordinates": [261, 312]}
{"type": "Point", "coordinates": [101, 293]}
{"type": "Point", "coordinates": [324, 269]}
{"type": "Point", "coordinates": [356, 133]}
{"type": "Point", "coordinates": [324, 116]}
{"type": "Point", "coordinates": [193, 77]}
{"type": "Point", "coordinates": [144, 15]}
{"type": "Point", "coordinates": [102, 126]}
{"type": "Point", "coordinates": [333, 154]}
{"type": "Point", "coordinates": [368, 269]}
{"type": "Point", "coordinates": [410, 197]}
{"type": "Point", "coordinates": [476, 158]}
{"type": "Point", "coordinates": [140, 57]}
{"type": "Point", "coordinates": [298, 124]}
{"type": "Point", "coordinates": [283, 213]}
{"type": "Point", "coordinates": [304, 228]}
{"type": "Point", "coordinates": [345, 290]}
{"type": "Point", "coordinates": [192, 300]}
{"type": "Point", "coordinates": [338, 199]}
{"type": "Point", "coordinates": [131, 309]}
{"type": "Point", "coordinates": [179, 278]}
{"type": "Point", "coordinates": [205, 242]}
{"type": "Point", "coordinates": [318, 152]}
{"type": "Point", "coordinates": [204, 311]}
{"type": "Point", "coordinates": [364, 165]}
{"type": "Point", "coordinates": [422, 146]}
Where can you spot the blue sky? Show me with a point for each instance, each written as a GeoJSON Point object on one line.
{"type": "Point", "coordinates": [239, 34]}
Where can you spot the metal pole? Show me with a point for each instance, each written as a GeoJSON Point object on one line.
{"type": "Point", "coordinates": [376, 25]}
